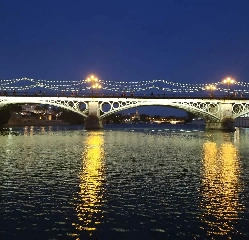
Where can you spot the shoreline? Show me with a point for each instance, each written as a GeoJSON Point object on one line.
{"type": "Point", "coordinates": [35, 123]}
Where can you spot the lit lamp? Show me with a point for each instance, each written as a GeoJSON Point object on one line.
{"type": "Point", "coordinates": [211, 88]}
{"type": "Point", "coordinates": [94, 80]}
{"type": "Point", "coordinates": [228, 81]}
{"type": "Point", "coordinates": [96, 85]}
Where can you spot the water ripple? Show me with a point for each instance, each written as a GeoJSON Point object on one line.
{"type": "Point", "coordinates": [145, 183]}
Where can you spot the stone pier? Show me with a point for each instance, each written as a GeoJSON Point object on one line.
{"type": "Point", "coordinates": [93, 122]}
{"type": "Point", "coordinates": [225, 121]}
{"type": "Point", "coordinates": [224, 125]}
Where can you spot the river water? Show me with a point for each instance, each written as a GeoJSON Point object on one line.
{"type": "Point", "coordinates": [125, 182]}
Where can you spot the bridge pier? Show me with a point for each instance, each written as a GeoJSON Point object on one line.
{"type": "Point", "coordinates": [224, 125]}
{"type": "Point", "coordinates": [93, 122]}
{"type": "Point", "coordinates": [225, 121]}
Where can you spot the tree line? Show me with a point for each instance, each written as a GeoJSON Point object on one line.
{"type": "Point", "coordinates": [5, 113]}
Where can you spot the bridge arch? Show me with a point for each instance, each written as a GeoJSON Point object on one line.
{"type": "Point", "coordinates": [205, 110]}
{"type": "Point", "coordinates": [240, 109]}
{"type": "Point", "coordinates": [70, 104]}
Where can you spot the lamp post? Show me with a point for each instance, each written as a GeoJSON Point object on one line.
{"type": "Point", "coordinates": [94, 80]}
{"type": "Point", "coordinates": [228, 81]}
{"type": "Point", "coordinates": [211, 88]}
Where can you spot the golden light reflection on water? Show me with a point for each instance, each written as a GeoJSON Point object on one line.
{"type": "Point", "coordinates": [91, 179]}
{"type": "Point", "coordinates": [220, 188]}
{"type": "Point", "coordinates": [28, 131]}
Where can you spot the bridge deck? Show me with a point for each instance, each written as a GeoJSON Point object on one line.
{"type": "Point", "coordinates": [134, 97]}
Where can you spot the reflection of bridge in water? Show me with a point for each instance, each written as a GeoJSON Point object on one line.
{"type": "Point", "coordinates": [219, 111]}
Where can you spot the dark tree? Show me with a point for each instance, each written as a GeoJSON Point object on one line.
{"type": "Point", "coordinates": [72, 117]}
{"type": "Point", "coordinates": [5, 112]}
{"type": "Point", "coordinates": [114, 118]}
{"type": "Point", "coordinates": [15, 108]}
{"type": "Point", "coordinates": [190, 117]}
{"type": "Point", "coordinates": [4, 115]}
{"type": "Point", "coordinates": [157, 117]}
{"type": "Point", "coordinates": [144, 117]}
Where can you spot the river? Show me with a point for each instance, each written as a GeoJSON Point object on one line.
{"type": "Point", "coordinates": [124, 182]}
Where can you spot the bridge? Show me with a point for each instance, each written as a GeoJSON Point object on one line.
{"type": "Point", "coordinates": [218, 110]}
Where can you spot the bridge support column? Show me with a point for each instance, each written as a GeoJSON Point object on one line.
{"type": "Point", "coordinates": [224, 125]}
{"type": "Point", "coordinates": [93, 122]}
{"type": "Point", "coordinates": [225, 121]}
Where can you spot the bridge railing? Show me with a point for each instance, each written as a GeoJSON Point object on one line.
{"type": "Point", "coordinates": [122, 95]}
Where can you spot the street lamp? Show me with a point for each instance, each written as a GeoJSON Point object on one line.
{"type": "Point", "coordinates": [211, 88]}
{"type": "Point", "coordinates": [94, 80]}
{"type": "Point", "coordinates": [96, 85]}
{"type": "Point", "coordinates": [228, 81]}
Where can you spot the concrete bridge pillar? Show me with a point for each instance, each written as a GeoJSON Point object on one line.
{"type": "Point", "coordinates": [93, 122]}
{"type": "Point", "coordinates": [225, 121]}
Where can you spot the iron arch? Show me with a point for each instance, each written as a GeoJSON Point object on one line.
{"type": "Point", "coordinates": [65, 103]}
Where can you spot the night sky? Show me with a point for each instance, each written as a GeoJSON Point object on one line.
{"type": "Point", "coordinates": [188, 41]}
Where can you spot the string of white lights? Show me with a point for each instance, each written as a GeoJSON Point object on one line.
{"type": "Point", "coordinates": [24, 84]}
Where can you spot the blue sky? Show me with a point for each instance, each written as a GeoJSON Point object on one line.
{"type": "Point", "coordinates": [188, 41]}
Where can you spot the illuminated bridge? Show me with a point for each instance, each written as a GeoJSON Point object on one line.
{"type": "Point", "coordinates": [217, 103]}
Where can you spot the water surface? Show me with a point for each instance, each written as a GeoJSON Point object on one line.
{"type": "Point", "coordinates": [125, 182]}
